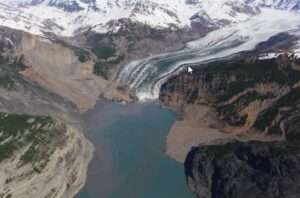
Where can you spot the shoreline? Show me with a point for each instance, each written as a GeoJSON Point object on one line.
{"type": "Point", "coordinates": [130, 139]}
{"type": "Point", "coordinates": [85, 169]}
{"type": "Point", "coordinates": [63, 177]}
{"type": "Point", "coordinates": [193, 130]}
{"type": "Point", "coordinates": [199, 127]}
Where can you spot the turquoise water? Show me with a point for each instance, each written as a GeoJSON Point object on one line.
{"type": "Point", "coordinates": [129, 161]}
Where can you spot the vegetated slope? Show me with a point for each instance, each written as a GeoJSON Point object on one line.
{"type": "Point", "coordinates": [250, 98]}
{"type": "Point", "coordinates": [248, 94]}
{"type": "Point", "coordinates": [42, 149]}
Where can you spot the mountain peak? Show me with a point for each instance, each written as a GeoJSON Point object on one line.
{"type": "Point", "coordinates": [69, 16]}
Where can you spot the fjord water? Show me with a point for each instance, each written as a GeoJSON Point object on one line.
{"type": "Point", "coordinates": [129, 161]}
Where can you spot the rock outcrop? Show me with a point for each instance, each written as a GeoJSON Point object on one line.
{"type": "Point", "coordinates": [253, 104]}
{"type": "Point", "coordinates": [43, 152]}
{"type": "Point", "coordinates": [135, 40]}
{"type": "Point", "coordinates": [246, 95]}
{"type": "Point", "coordinates": [56, 66]}
{"type": "Point", "coordinates": [235, 170]}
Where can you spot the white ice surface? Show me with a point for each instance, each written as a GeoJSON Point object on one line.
{"type": "Point", "coordinates": [146, 76]}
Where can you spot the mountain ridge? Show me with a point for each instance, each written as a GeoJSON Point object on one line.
{"type": "Point", "coordinates": [69, 17]}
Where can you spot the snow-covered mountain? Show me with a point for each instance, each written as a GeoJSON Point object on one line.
{"type": "Point", "coordinates": [277, 4]}
{"type": "Point", "coordinates": [67, 17]}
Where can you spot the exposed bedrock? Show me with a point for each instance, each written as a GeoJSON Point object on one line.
{"type": "Point", "coordinates": [59, 67]}
{"type": "Point", "coordinates": [43, 152]}
{"type": "Point", "coordinates": [253, 169]}
{"type": "Point", "coordinates": [253, 104]}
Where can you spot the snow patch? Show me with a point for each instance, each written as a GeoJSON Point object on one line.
{"type": "Point", "coordinates": [268, 56]}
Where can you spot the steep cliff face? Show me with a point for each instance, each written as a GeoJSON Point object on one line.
{"type": "Point", "coordinates": [234, 170]}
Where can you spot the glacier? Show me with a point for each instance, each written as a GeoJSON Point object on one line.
{"type": "Point", "coordinates": [146, 76]}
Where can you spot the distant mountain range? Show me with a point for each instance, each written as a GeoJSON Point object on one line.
{"type": "Point", "coordinates": [69, 17]}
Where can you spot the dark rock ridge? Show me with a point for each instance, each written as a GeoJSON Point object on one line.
{"type": "Point", "coordinates": [245, 170]}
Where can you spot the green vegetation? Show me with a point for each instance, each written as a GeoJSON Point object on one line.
{"type": "Point", "coordinates": [104, 52]}
{"type": "Point", "coordinates": [242, 150]}
{"type": "Point", "coordinates": [117, 60]}
{"type": "Point", "coordinates": [100, 69]}
{"type": "Point", "coordinates": [2, 59]}
{"type": "Point", "coordinates": [247, 75]}
{"type": "Point", "coordinates": [18, 63]}
{"type": "Point", "coordinates": [39, 135]}
{"type": "Point", "coordinates": [9, 68]}
{"type": "Point", "coordinates": [6, 81]}
{"type": "Point", "coordinates": [83, 56]}
{"type": "Point", "coordinates": [230, 112]}
{"type": "Point", "coordinates": [226, 79]}
{"type": "Point", "coordinates": [8, 196]}
{"type": "Point", "coordinates": [289, 100]}
{"type": "Point", "coordinates": [221, 151]}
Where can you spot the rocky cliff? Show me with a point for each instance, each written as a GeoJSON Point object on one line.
{"type": "Point", "coordinates": [235, 170]}
{"type": "Point", "coordinates": [248, 131]}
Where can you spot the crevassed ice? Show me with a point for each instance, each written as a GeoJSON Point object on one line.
{"type": "Point", "coordinates": [147, 75]}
